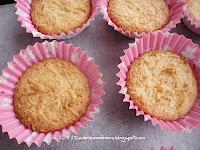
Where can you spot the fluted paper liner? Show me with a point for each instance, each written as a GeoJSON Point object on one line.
{"type": "Point", "coordinates": [175, 12]}
{"type": "Point", "coordinates": [24, 16]}
{"type": "Point", "coordinates": [19, 64]}
{"type": "Point", "coordinates": [191, 22]}
{"type": "Point", "coordinates": [163, 148]}
{"type": "Point", "coordinates": [163, 41]}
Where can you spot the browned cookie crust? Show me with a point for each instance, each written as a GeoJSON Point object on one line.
{"type": "Point", "coordinates": [52, 17]}
{"type": "Point", "coordinates": [139, 15]}
{"type": "Point", "coordinates": [51, 95]}
{"type": "Point", "coordinates": [162, 84]}
{"type": "Point", "coordinates": [194, 8]}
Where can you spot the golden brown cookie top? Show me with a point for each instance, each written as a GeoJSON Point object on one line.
{"type": "Point", "coordinates": [194, 8]}
{"type": "Point", "coordinates": [56, 16]}
{"type": "Point", "coordinates": [51, 95]}
{"type": "Point", "coordinates": [162, 84]}
{"type": "Point", "coordinates": [139, 15]}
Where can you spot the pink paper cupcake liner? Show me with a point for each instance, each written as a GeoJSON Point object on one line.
{"type": "Point", "coordinates": [19, 64]}
{"type": "Point", "coordinates": [190, 21]}
{"type": "Point", "coordinates": [176, 13]}
{"type": "Point", "coordinates": [180, 45]}
{"type": "Point", "coordinates": [23, 12]}
{"type": "Point", "coordinates": [163, 148]}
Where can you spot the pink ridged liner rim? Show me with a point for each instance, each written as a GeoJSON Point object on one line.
{"type": "Point", "coordinates": [23, 12]}
{"type": "Point", "coordinates": [176, 13]}
{"type": "Point", "coordinates": [163, 41]}
{"type": "Point", "coordinates": [19, 64]}
{"type": "Point", "coordinates": [163, 148]}
{"type": "Point", "coordinates": [190, 21]}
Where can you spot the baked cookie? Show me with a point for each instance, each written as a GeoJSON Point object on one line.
{"type": "Point", "coordinates": [162, 84]}
{"type": "Point", "coordinates": [139, 15]}
{"type": "Point", "coordinates": [194, 8]}
{"type": "Point", "coordinates": [51, 95]}
{"type": "Point", "coordinates": [52, 17]}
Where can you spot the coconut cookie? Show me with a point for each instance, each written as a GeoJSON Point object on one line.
{"type": "Point", "coordinates": [51, 95]}
{"type": "Point", "coordinates": [162, 84]}
{"type": "Point", "coordinates": [52, 17]}
{"type": "Point", "coordinates": [194, 8]}
{"type": "Point", "coordinates": [139, 15]}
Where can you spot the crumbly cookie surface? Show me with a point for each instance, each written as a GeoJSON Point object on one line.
{"type": "Point", "coordinates": [51, 95]}
{"type": "Point", "coordinates": [194, 8]}
{"type": "Point", "coordinates": [139, 15]}
{"type": "Point", "coordinates": [162, 84]}
{"type": "Point", "coordinates": [52, 17]}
